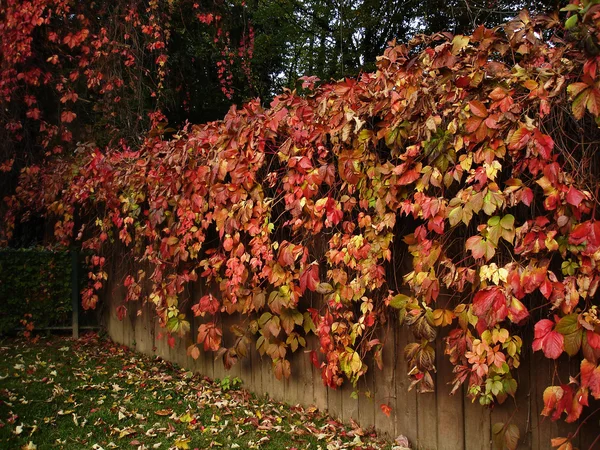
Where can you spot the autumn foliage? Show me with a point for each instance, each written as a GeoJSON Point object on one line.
{"type": "Point", "coordinates": [472, 154]}
{"type": "Point", "coordinates": [100, 71]}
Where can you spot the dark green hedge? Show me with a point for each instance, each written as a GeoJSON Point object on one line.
{"type": "Point", "coordinates": [36, 282]}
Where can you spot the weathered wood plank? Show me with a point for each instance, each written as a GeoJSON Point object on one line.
{"type": "Point", "coordinates": [319, 398]}
{"type": "Point", "coordinates": [334, 402]}
{"type": "Point", "coordinates": [306, 382]}
{"type": "Point", "coordinates": [477, 428]}
{"type": "Point", "coordinates": [449, 407]}
{"type": "Point", "coordinates": [349, 405]}
{"type": "Point", "coordinates": [406, 401]}
{"type": "Point", "coordinates": [427, 414]}
{"type": "Point", "coordinates": [366, 401]}
{"type": "Point", "coordinates": [384, 380]}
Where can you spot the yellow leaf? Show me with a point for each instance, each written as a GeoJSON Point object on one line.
{"type": "Point", "coordinates": [182, 442]}
{"type": "Point", "coordinates": [458, 43]}
{"type": "Point", "coordinates": [186, 418]}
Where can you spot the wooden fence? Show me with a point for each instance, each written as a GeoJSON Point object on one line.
{"type": "Point", "coordinates": [430, 421]}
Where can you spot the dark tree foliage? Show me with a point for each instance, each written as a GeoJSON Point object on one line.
{"type": "Point", "coordinates": [333, 39]}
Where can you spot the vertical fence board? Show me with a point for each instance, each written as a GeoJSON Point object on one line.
{"type": "Point", "coordinates": [427, 417]}
{"type": "Point", "coordinates": [427, 414]}
{"type": "Point", "coordinates": [334, 402]}
{"type": "Point", "coordinates": [319, 389]}
{"type": "Point", "coordinates": [518, 410]}
{"type": "Point", "coordinates": [366, 403]}
{"type": "Point", "coordinates": [406, 401]}
{"type": "Point", "coordinates": [256, 378]}
{"type": "Point", "coordinates": [449, 408]}
{"type": "Point", "coordinates": [385, 391]}
{"type": "Point", "coordinates": [349, 406]}
{"type": "Point", "coordinates": [477, 428]}
{"type": "Point", "coordinates": [306, 382]}
{"type": "Point", "coordinates": [277, 387]}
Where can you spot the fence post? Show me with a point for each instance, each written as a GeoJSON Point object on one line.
{"type": "Point", "coordinates": [75, 291]}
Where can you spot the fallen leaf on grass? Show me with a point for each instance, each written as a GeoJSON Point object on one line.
{"type": "Point", "coordinates": [182, 442]}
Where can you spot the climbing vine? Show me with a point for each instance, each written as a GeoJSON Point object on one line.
{"type": "Point", "coordinates": [98, 72]}
{"type": "Point", "coordinates": [472, 154]}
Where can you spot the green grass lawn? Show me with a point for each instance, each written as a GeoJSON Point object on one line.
{"type": "Point", "coordinates": [94, 394]}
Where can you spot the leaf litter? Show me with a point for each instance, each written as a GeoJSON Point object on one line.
{"type": "Point", "coordinates": [95, 394]}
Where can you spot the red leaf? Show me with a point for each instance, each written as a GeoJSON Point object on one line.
{"type": "Point", "coordinates": [473, 124]}
{"type": "Point", "coordinates": [533, 278]}
{"type": "Point", "coordinates": [546, 288]}
{"type": "Point", "coordinates": [547, 340]}
{"type": "Point", "coordinates": [498, 94]}
{"type": "Point", "coordinates": [562, 399]}
{"type": "Point", "coordinates": [334, 212]}
{"type": "Point", "coordinates": [580, 233]}
{"type": "Point", "coordinates": [490, 304]}
{"type": "Point", "coordinates": [586, 232]}
{"type": "Point", "coordinates": [574, 197]}
{"type": "Point", "coordinates": [314, 360]}
{"type": "Point", "coordinates": [309, 278]}
{"type": "Point", "coordinates": [543, 143]}
{"type": "Point", "coordinates": [207, 304]}
{"type": "Point", "coordinates": [193, 351]}
{"type": "Point", "coordinates": [517, 312]}
{"type": "Point", "coordinates": [593, 102]}
{"type": "Point", "coordinates": [527, 196]}
{"type": "Point", "coordinates": [408, 177]}
{"type": "Point", "coordinates": [593, 339]}
{"type": "Point", "coordinates": [121, 312]}
{"type": "Point", "coordinates": [590, 377]}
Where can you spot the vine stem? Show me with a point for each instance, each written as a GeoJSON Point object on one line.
{"type": "Point", "coordinates": [596, 202]}
{"type": "Point", "coordinates": [583, 423]}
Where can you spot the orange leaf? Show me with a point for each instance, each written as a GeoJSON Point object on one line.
{"type": "Point", "coordinates": [67, 116]}
{"type": "Point", "coordinates": [385, 409]}
{"type": "Point", "coordinates": [478, 108]}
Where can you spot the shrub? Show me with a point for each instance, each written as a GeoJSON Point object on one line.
{"type": "Point", "coordinates": [35, 286]}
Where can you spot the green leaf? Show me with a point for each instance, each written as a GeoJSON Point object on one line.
{"type": "Point", "coordinates": [571, 21]}
{"type": "Point", "coordinates": [510, 386]}
{"type": "Point", "coordinates": [569, 8]}
{"type": "Point", "coordinates": [568, 324]}
{"type": "Point", "coordinates": [399, 301]}
{"type": "Point", "coordinates": [573, 342]}
{"type": "Point", "coordinates": [494, 221]}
